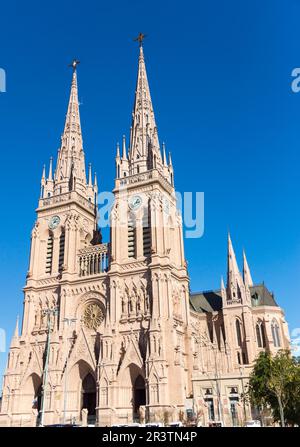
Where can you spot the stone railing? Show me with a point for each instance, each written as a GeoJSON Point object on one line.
{"type": "Point", "coordinates": [67, 197]}
{"type": "Point", "coordinates": [93, 260]}
{"type": "Point", "coordinates": [142, 177]}
{"type": "Point", "coordinates": [232, 302]}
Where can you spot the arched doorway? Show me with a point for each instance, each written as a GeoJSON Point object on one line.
{"type": "Point", "coordinates": [89, 396]}
{"type": "Point", "coordinates": [139, 395]}
{"type": "Point", "coordinates": [37, 402]}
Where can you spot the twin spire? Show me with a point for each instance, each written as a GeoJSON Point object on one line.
{"type": "Point", "coordinates": [144, 151]}
{"type": "Point", "coordinates": [238, 286]}
{"type": "Point", "coordinates": [70, 172]}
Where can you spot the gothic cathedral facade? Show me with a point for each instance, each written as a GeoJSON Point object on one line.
{"type": "Point", "coordinates": [111, 333]}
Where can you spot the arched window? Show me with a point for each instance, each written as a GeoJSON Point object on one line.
{"type": "Point", "coordinates": [238, 326]}
{"type": "Point", "coordinates": [260, 334]}
{"type": "Point", "coordinates": [146, 232]}
{"type": "Point", "coordinates": [275, 333]}
{"type": "Point", "coordinates": [138, 169]}
{"type": "Point", "coordinates": [131, 236]}
{"type": "Point", "coordinates": [49, 254]}
{"type": "Point", "coordinates": [118, 171]}
{"type": "Point", "coordinates": [61, 250]}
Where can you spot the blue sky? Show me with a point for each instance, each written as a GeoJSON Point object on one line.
{"type": "Point", "coordinates": [220, 78]}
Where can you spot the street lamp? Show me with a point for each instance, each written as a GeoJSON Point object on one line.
{"type": "Point", "coordinates": [68, 321]}
{"type": "Point", "coordinates": [244, 404]}
{"type": "Point", "coordinates": [48, 313]}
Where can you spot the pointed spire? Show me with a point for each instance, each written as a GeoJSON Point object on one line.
{"type": "Point", "coordinates": [70, 161]}
{"type": "Point", "coordinates": [73, 119]}
{"type": "Point", "coordinates": [144, 147]}
{"type": "Point", "coordinates": [124, 155]}
{"type": "Point", "coordinates": [44, 173]}
{"type": "Point", "coordinates": [222, 283]}
{"type": "Point", "coordinates": [246, 272]}
{"type": "Point", "coordinates": [164, 154]}
{"type": "Point", "coordinates": [95, 181]}
{"type": "Point", "coordinates": [170, 159]}
{"type": "Point", "coordinates": [15, 339]}
{"type": "Point", "coordinates": [90, 175]}
{"type": "Point", "coordinates": [16, 333]}
{"type": "Point", "coordinates": [50, 176]}
{"type": "Point", "coordinates": [232, 269]}
{"type": "Point", "coordinates": [118, 150]}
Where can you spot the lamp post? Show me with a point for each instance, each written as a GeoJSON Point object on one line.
{"type": "Point", "coordinates": [48, 313]}
{"type": "Point", "coordinates": [220, 409]}
{"type": "Point", "coordinates": [68, 321]}
{"type": "Point", "coordinates": [244, 404]}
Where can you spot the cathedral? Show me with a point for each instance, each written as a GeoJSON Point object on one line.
{"type": "Point", "coordinates": [111, 333]}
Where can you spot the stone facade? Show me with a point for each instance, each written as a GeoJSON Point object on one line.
{"type": "Point", "coordinates": [110, 331]}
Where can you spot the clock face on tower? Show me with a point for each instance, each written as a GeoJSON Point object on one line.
{"type": "Point", "coordinates": [54, 222]}
{"type": "Point", "coordinates": [135, 202]}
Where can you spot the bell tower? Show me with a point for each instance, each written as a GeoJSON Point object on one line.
{"type": "Point", "coordinates": [149, 284]}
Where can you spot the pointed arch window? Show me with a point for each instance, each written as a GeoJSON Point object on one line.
{"type": "Point", "coordinates": [61, 251]}
{"type": "Point", "coordinates": [49, 254]}
{"type": "Point", "coordinates": [238, 327]}
{"type": "Point", "coordinates": [131, 236]}
{"type": "Point", "coordinates": [260, 334]}
{"type": "Point", "coordinates": [146, 232]}
{"type": "Point", "coordinates": [275, 333]}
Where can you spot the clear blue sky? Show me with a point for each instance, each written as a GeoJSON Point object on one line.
{"type": "Point", "coordinates": [220, 78]}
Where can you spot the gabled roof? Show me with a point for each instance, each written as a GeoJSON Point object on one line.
{"type": "Point", "coordinates": [261, 296]}
{"type": "Point", "coordinates": [211, 300]}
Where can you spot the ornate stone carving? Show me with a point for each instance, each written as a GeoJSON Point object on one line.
{"type": "Point", "coordinates": [93, 316]}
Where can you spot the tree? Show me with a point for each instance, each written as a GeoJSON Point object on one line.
{"type": "Point", "coordinates": [275, 383]}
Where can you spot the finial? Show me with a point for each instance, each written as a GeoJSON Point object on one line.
{"type": "Point", "coordinates": [44, 172]}
{"type": "Point", "coordinates": [50, 170]}
{"type": "Point", "coordinates": [74, 64]}
{"type": "Point", "coordinates": [140, 39]}
{"type": "Point", "coordinates": [95, 180]}
{"type": "Point", "coordinates": [90, 174]}
{"type": "Point", "coordinates": [124, 156]}
{"type": "Point", "coordinates": [164, 154]}
{"type": "Point", "coordinates": [118, 149]}
{"type": "Point", "coordinates": [222, 283]}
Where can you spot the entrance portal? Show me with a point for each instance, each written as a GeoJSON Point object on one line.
{"type": "Point", "coordinates": [139, 395]}
{"type": "Point", "coordinates": [89, 395]}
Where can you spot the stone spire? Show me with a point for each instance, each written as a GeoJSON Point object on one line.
{"type": "Point", "coordinates": [15, 339]}
{"type": "Point", "coordinates": [235, 283]}
{"type": "Point", "coordinates": [144, 150]}
{"type": "Point", "coordinates": [70, 168]}
{"type": "Point", "coordinates": [246, 272]}
{"type": "Point", "coordinates": [233, 269]}
{"type": "Point", "coordinates": [50, 177]}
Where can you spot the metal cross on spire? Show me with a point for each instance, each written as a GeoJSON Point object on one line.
{"type": "Point", "coordinates": [74, 64]}
{"type": "Point", "coordinates": [140, 38]}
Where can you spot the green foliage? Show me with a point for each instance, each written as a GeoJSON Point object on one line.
{"type": "Point", "coordinates": [275, 383]}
